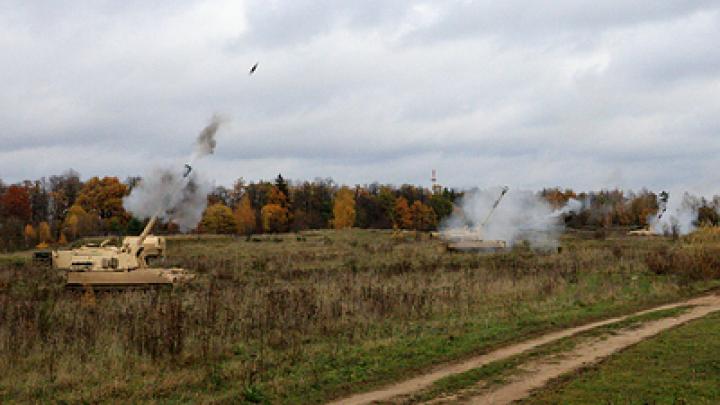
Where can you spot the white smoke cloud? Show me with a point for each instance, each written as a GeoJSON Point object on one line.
{"type": "Point", "coordinates": [573, 206]}
{"type": "Point", "coordinates": [173, 195]}
{"type": "Point", "coordinates": [520, 216]}
{"type": "Point", "coordinates": [681, 215]}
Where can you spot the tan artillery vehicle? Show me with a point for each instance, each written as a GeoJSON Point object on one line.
{"type": "Point", "coordinates": [650, 229]}
{"type": "Point", "coordinates": [467, 239]}
{"type": "Point", "coordinates": [471, 239]}
{"type": "Point", "coordinates": [112, 267]}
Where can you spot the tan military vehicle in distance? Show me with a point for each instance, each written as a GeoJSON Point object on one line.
{"type": "Point", "coordinates": [471, 239]}
{"type": "Point", "coordinates": [112, 267]}
{"type": "Point", "coordinates": [650, 229]}
{"type": "Point", "coordinates": [466, 239]}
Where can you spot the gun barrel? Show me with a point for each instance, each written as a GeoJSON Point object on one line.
{"type": "Point", "coordinates": [147, 230]}
{"type": "Point", "coordinates": [497, 202]}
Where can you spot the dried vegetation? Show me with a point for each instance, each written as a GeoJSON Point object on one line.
{"type": "Point", "coordinates": [307, 317]}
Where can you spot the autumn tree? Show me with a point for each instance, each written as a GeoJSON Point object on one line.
{"type": "Point", "coordinates": [274, 218]}
{"type": "Point", "coordinates": [245, 217]}
{"type": "Point", "coordinates": [30, 234]}
{"type": "Point", "coordinates": [218, 219]}
{"type": "Point", "coordinates": [423, 216]}
{"type": "Point", "coordinates": [103, 197]}
{"type": "Point", "coordinates": [64, 190]}
{"type": "Point", "coordinates": [274, 214]}
{"type": "Point", "coordinates": [15, 202]}
{"type": "Point", "coordinates": [403, 216]}
{"type": "Point", "coordinates": [43, 233]}
{"type": "Point", "coordinates": [79, 223]}
{"type": "Point", "coordinates": [344, 209]}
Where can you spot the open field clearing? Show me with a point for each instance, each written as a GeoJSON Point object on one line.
{"type": "Point", "coordinates": [310, 317]}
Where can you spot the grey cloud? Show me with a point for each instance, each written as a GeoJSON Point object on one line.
{"type": "Point", "coordinates": [486, 92]}
{"type": "Point", "coordinates": [289, 23]}
{"type": "Point", "coordinates": [570, 21]}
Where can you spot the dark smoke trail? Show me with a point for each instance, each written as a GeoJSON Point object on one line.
{"type": "Point", "coordinates": [205, 144]}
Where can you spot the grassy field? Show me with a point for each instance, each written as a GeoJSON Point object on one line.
{"type": "Point", "coordinates": [681, 366]}
{"type": "Point", "coordinates": [302, 318]}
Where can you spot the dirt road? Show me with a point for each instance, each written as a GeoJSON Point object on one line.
{"type": "Point", "coordinates": [542, 371]}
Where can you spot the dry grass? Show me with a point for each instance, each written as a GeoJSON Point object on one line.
{"type": "Point", "coordinates": [302, 318]}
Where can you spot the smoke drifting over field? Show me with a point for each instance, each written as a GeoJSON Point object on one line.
{"type": "Point", "coordinates": [681, 215]}
{"type": "Point", "coordinates": [520, 216]}
{"type": "Point", "coordinates": [165, 192]}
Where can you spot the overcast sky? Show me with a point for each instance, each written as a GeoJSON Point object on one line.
{"type": "Point", "coordinates": [582, 94]}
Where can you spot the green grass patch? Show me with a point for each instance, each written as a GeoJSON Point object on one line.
{"type": "Point", "coordinates": [680, 366]}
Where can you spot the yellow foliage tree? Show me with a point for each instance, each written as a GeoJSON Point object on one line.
{"type": "Point", "coordinates": [71, 226]}
{"type": "Point", "coordinates": [218, 219]}
{"type": "Point", "coordinates": [62, 240]}
{"type": "Point", "coordinates": [103, 197]}
{"type": "Point", "coordinates": [403, 216]}
{"type": "Point", "coordinates": [274, 218]}
{"type": "Point", "coordinates": [423, 216]}
{"type": "Point", "coordinates": [43, 232]}
{"type": "Point", "coordinates": [344, 209]}
{"type": "Point", "coordinates": [245, 216]}
{"type": "Point", "coordinates": [30, 234]}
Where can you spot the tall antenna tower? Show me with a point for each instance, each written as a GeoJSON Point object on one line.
{"type": "Point", "coordinates": [436, 188]}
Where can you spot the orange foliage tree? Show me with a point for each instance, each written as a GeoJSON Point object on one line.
{"type": "Point", "coordinates": [30, 234]}
{"type": "Point", "coordinates": [103, 197]}
{"type": "Point", "coordinates": [275, 214]}
{"type": "Point", "coordinates": [403, 216]}
{"type": "Point", "coordinates": [245, 216]}
{"type": "Point", "coordinates": [43, 233]}
{"type": "Point", "coordinates": [274, 218]}
{"type": "Point", "coordinates": [16, 203]}
{"type": "Point", "coordinates": [423, 216]}
{"type": "Point", "coordinates": [344, 209]}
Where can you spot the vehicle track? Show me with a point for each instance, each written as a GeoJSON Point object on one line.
{"type": "Point", "coordinates": [538, 373]}
{"type": "Point", "coordinates": [521, 387]}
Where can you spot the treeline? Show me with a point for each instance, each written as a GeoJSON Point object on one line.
{"type": "Point", "coordinates": [63, 208]}
{"type": "Point", "coordinates": [608, 208]}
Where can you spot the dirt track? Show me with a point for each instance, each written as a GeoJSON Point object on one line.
{"type": "Point", "coordinates": [543, 371]}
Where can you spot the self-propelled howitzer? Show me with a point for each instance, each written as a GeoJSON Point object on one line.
{"type": "Point", "coordinates": [112, 267]}
{"type": "Point", "coordinates": [472, 239]}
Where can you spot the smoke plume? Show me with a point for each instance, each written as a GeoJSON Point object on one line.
{"type": "Point", "coordinates": [520, 216]}
{"type": "Point", "coordinates": [205, 143]}
{"type": "Point", "coordinates": [680, 217]}
{"type": "Point", "coordinates": [166, 193]}
{"type": "Point", "coordinates": [170, 195]}
{"type": "Point", "coordinates": [573, 206]}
